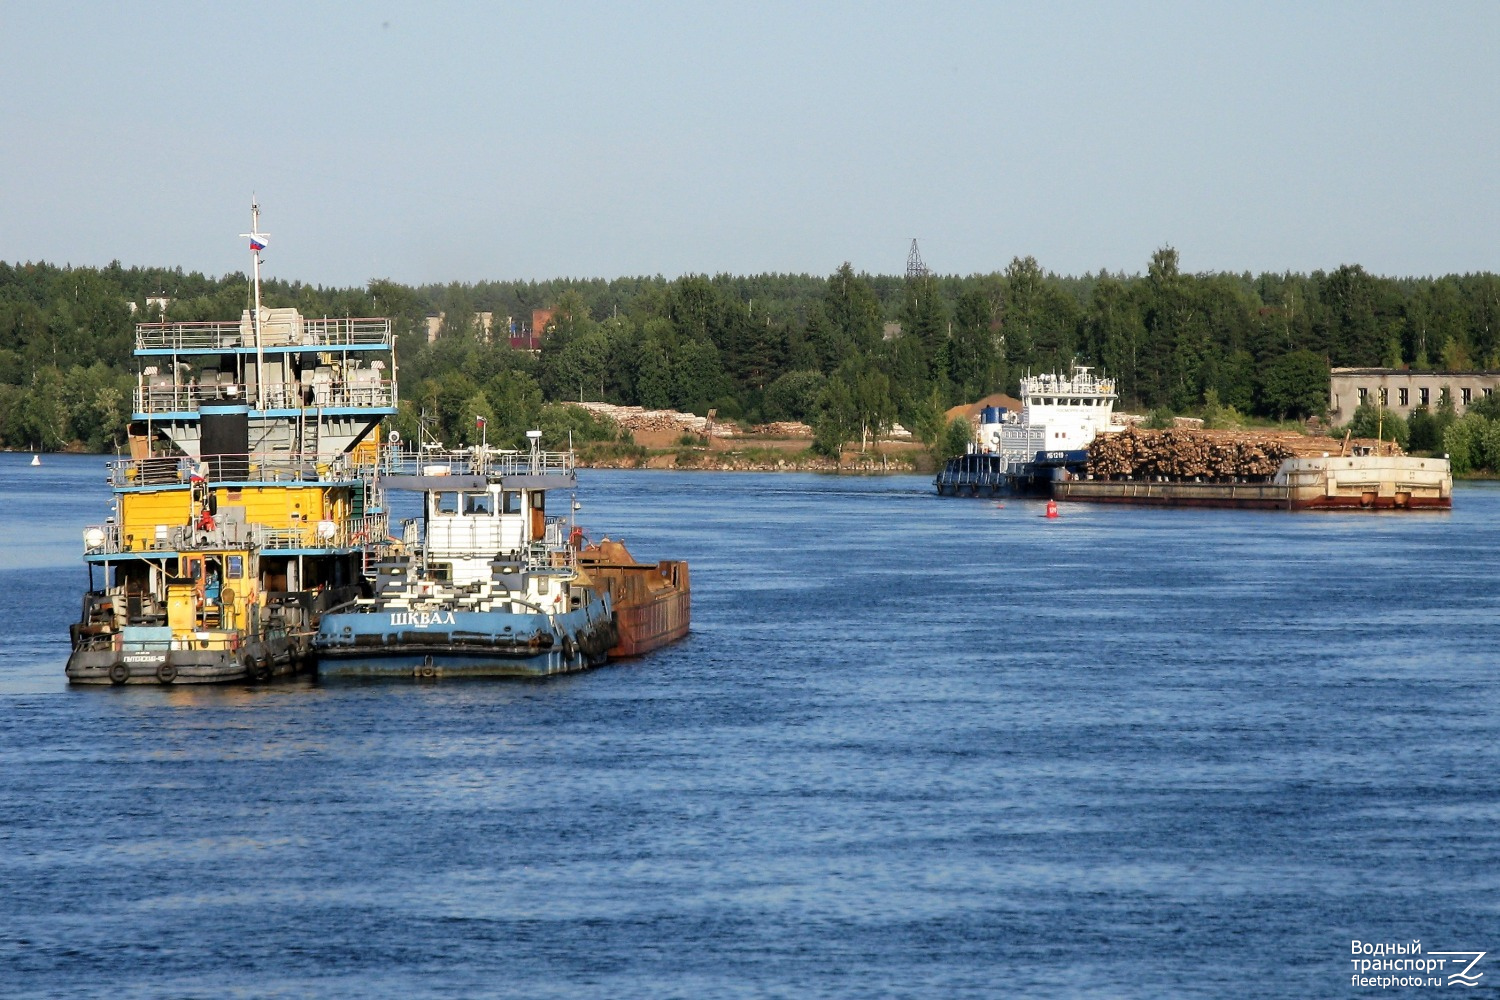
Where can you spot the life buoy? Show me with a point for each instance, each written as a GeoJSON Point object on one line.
{"type": "Point", "coordinates": [205, 521]}
{"type": "Point", "coordinates": [166, 673]}
{"type": "Point", "coordinates": [119, 673]}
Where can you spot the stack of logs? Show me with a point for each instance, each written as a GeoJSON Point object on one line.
{"type": "Point", "coordinates": [636, 418]}
{"type": "Point", "coordinates": [1186, 454]}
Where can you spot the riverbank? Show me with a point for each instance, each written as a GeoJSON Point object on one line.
{"type": "Point", "coordinates": [721, 456]}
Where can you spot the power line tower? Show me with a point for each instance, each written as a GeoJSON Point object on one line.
{"type": "Point", "coordinates": [914, 266]}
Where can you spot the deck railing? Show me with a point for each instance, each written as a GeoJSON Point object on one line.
{"type": "Point", "coordinates": [479, 461]}
{"type": "Point", "coordinates": [350, 533]}
{"type": "Point", "coordinates": [372, 393]}
{"type": "Point", "coordinates": [234, 334]}
{"type": "Point", "coordinates": [255, 467]}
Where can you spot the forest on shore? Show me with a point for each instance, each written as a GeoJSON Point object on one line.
{"type": "Point", "coordinates": [850, 353]}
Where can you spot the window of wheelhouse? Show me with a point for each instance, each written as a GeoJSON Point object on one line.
{"type": "Point", "coordinates": [510, 501]}
{"type": "Point", "coordinates": [477, 503]}
{"type": "Point", "coordinates": [445, 503]}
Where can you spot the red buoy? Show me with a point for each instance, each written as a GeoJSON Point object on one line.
{"type": "Point", "coordinates": [1051, 508]}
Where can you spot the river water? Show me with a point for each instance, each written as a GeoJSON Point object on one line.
{"type": "Point", "coordinates": [915, 746]}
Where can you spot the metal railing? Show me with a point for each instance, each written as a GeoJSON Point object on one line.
{"type": "Point", "coordinates": [233, 334]}
{"type": "Point", "coordinates": [372, 393]}
{"type": "Point", "coordinates": [479, 461]}
{"type": "Point", "coordinates": [350, 533]}
{"type": "Point", "coordinates": [268, 467]}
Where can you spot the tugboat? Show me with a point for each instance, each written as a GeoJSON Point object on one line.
{"type": "Point", "coordinates": [1022, 454]}
{"type": "Point", "coordinates": [249, 503]}
{"type": "Point", "coordinates": [485, 584]}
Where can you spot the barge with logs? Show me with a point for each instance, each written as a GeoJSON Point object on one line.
{"type": "Point", "coordinates": [1066, 444]}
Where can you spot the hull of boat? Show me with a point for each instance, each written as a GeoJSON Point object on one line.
{"type": "Point", "coordinates": [1363, 482]}
{"type": "Point", "coordinates": [402, 643]}
{"type": "Point", "coordinates": [254, 661]}
{"type": "Point", "coordinates": [652, 601]}
{"type": "Point", "coordinates": [648, 626]}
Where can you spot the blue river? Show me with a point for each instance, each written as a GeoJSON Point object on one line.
{"type": "Point", "coordinates": [914, 747]}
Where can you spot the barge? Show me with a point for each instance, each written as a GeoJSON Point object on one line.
{"type": "Point", "coordinates": [652, 601]}
{"type": "Point", "coordinates": [1330, 482]}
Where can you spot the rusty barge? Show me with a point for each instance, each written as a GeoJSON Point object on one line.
{"type": "Point", "coordinates": [652, 601]}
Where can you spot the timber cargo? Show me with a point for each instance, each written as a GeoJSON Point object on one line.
{"type": "Point", "coordinates": [1249, 469]}
{"type": "Point", "coordinates": [1355, 482]}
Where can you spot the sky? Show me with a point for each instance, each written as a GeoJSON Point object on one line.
{"type": "Point", "coordinates": [440, 142]}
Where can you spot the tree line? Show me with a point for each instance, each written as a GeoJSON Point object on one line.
{"type": "Point", "coordinates": [851, 353]}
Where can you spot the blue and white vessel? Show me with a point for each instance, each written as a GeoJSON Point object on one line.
{"type": "Point", "coordinates": [484, 583]}
{"type": "Point", "coordinates": [1021, 454]}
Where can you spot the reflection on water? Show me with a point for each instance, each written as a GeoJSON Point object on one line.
{"type": "Point", "coordinates": [914, 746]}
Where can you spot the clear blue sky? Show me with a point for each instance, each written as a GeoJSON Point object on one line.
{"type": "Point", "coordinates": [436, 142]}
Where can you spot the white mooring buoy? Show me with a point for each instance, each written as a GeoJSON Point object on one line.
{"type": "Point", "coordinates": [36, 460]}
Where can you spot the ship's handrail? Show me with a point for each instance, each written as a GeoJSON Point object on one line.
{"type": "Point", "coordinates": [370, 393]}
{"type": "Point", "coordinates": [479, 461]}
{"type": "Point", "coordinates": [267, 467]}
{"type": "Point", "coordinates": [233, 334]}
{"type": "Point", "coordinates": [352, 532]}
{"type": "Point", "coordinates": [1080, 382]}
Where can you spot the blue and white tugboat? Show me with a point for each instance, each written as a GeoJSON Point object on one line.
{"type": "Point", "coordinates": [1022, 454]}
{"type": "Point", "coordinates": [484, 584]}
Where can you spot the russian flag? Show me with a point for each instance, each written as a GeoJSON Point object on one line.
{"type": "Point", "coordinates": [257, 243]}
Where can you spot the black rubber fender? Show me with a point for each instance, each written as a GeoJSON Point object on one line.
{"type": "Point", "coordinates": [166, 673]}
{"type": "Point", "coordinates": [257, 669]}
{"type": "Point", "coordinates": [119, 673]}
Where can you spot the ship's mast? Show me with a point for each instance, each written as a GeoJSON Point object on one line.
{"type": "Point", "coordinates": [257, 244]}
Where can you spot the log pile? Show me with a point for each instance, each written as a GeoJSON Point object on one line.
{"type": "Point", "coordinates": [1208, 456]}
{"type": "Point", "coordinates": [782, 429]}
{"type": "Point", "coordinates": [636, 418]}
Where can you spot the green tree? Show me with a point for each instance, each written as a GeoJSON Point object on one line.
{"type": "Point", "coordinates": [924, 322]}
{"type": "Point", "coordinates": [957, 438]}
{"type": "Point", "coordinates": [973, 360]}
{"type": "Point", "coordinates": [851, 306]}
{"type": "Point", "coordinates": [794, 396]}
{"type": "Point", "coordinates": [1373, 421]}
{"type": "Point", "coordinates": [1462, 442]}
{"type": "Point", "coordinates": [1295, 385]}
{"type": "Point", "coordinates": [1354, 336]}
{"type": "Point", "coordinates": [1425, 433]}
{"type": "Point", "coordinates": [653, 380]}
{"type": "Point", "coordinates": [837, 419]}
{"type": "Point", "coordinates": [931, 419]}
{"type": "Point", "coordinates": [872, 400]}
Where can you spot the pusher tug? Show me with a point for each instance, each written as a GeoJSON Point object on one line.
{"type": "Point", "coordinates": [1021, 454]}
{"type": "Point", "coordinates": [248, 504]}
{"type": "Point", "coordinates": [488, 584]}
